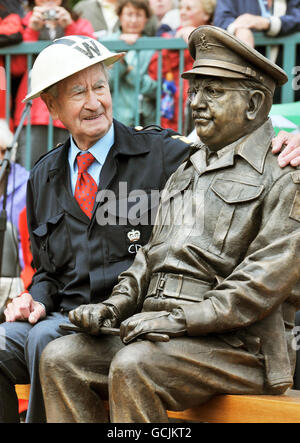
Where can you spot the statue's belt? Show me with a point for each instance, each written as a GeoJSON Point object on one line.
{"type": "Point", "coordinates": [177, 286]}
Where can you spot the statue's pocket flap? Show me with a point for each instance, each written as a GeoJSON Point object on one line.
{"type": "Point", "coordinates": [234, 191]}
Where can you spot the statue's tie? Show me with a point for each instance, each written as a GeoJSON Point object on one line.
{"type": "Point", "coordinates": [86, 187]}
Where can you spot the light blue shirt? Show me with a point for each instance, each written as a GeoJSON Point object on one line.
{"type": "Point", "coordinates": [265, 12]}
{"type": "Point", "coordinates": [99, 151]}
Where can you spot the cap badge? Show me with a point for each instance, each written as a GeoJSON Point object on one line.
{"type": "Point", "coordinates": [203, 43]}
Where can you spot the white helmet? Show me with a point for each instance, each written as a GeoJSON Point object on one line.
{"type": "Point", "coordinates": [64, 57]}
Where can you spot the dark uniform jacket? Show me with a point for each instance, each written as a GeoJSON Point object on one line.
{"type": "Point", "coordinates": [232, 263]}
{"type": "Point", "coordinates": [78, 260]}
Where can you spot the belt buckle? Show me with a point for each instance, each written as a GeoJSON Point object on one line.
{"type": "Point", "coordinates": [160, 287]}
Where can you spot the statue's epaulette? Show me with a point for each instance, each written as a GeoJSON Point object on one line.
{"type": "Point", "coordinates": [171, 132]}
{"type": "Point", "coordinates": [48, 153]}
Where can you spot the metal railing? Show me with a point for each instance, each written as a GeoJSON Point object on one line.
{"type": "Point", "coordinates": [289, 46]}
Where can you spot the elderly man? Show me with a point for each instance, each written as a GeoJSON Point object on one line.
{"type": "Point", "coordinates": [218, 277]}
{"type": "Point", "coordinates": [79, 251]}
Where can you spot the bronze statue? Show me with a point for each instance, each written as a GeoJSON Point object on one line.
{"type": "Point", "coordinates": [221, 284]}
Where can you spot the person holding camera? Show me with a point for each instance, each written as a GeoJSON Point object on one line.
{"type": "Point", "coordinates": [46, 20]}
{"type": "Point", "coordinates": [50, 18]}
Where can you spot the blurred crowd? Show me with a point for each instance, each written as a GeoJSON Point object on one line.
{"type": "Point", "coordinates": [35, 20]}
{"type": "Point", "coordinates": [127, 20]}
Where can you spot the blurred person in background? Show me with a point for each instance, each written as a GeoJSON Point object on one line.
{"type": "Point", "coordinates": [165, 15]}
{"type": "Point", "coordinates": [104, 17]}
{"type": "Point", "coordinates": [133, 16]}
{"type": "Point", "coordinates": [274, 17]}
{"type": "Point", "coordinates": [193, 13]}
{"type": "Point", "coordinates": [11, 13]}
{"type": "Point", "coordinates": [46, 20]}
{"type": "Point", "coordinates": [11, 31]}
{"type": "Point", "coordinates": [101, 14]}
{"type": "Point", "coordinates": [12, 258]}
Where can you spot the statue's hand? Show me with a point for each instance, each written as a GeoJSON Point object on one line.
{"type": "Point", "coordinates": [92, 317]}
{"type": "Point", "coordinates": [171, 323]}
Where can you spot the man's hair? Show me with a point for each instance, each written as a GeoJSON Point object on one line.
{"type": "Point", "coordinates": [139, 4]}
{"type": "Point", "coordinates": [53, 90]}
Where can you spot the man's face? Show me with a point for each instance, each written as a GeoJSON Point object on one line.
{"type": "Point", "coordinates": [84, 105]}
{"type": "Point", "coordinates": [219, 111]}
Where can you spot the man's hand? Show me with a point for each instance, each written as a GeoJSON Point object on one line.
{"type": "Point", "coordinates": [171, 323]}
{"type": "Point", "coordinates": [37, 20]}
{"type": "Point", "coordinates": [24, 308]}
{"type": "Point", "coordinates": [184, 32]}
{"type": "Point", "coordinates": [251, 21]}
{"type": "Point", "coordinates": [291, 151]}
{"type": "Point", "coordinates": [63, 17]}
{"type": "Point", "coordinates": [246, 35]}
{"type": "Point", "coordinates": [130, 39]}
{"type": "Point", "coordinates": [92, 317]}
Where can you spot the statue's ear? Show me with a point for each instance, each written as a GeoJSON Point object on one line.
{"type": "Point", "coordinates": [256, 101]}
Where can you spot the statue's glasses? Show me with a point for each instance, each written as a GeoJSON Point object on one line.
{"type": "Point", "coordinates": [210, 92]}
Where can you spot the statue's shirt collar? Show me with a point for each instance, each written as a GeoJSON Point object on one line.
{"type": "Point", "coordinates": [252, 147]}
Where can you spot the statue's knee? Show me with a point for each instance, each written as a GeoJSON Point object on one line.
{"type": "Point", "coordinates": [130, 360]}
{"type": "Point", "coordinates": [54, 356]}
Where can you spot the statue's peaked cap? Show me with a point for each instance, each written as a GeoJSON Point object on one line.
{"type": "Point", "coordinates": [218, 53]}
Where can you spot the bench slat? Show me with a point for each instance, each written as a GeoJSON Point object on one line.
{"type": "Point", "coordinates": [245, 409]}
{"type": "Point", "coordinates": [232, 408]}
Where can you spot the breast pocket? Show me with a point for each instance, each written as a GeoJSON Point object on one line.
{"type": "Point", "coordinates": [236, 196]}
{"type": "Point", "coordinates": [54, 244]}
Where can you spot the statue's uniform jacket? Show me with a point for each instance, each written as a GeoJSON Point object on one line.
{"type": "Point", "coordinates": [239, 247]}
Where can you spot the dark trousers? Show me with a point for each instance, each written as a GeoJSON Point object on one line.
{"type": "Point", "coordinates": [21, 345]}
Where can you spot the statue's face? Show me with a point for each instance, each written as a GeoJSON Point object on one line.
{"type": "Point", "coordinates": [219, 110]}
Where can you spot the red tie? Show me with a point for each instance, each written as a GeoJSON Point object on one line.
{"type": "Point", "coordinates": [86, 187]}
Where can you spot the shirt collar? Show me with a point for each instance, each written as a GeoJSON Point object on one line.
{"type": "Point", "coordinates": [99, 150]}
